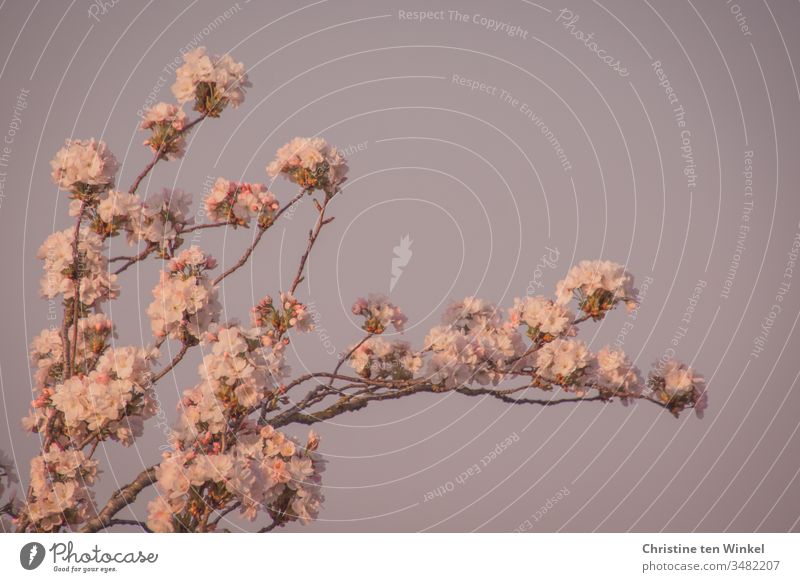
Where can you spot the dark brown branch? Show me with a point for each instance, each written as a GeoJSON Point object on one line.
{"type": "Point", "coordinates": [174, 362]}
{"type": "Point", "coordinates": [120, 499]}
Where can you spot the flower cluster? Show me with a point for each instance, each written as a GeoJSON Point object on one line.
{"type": "Point", "coordinates": [60, 494]}
{"type": "Point", "coordinates": [238, 202]}
{"type": "Point", "coordinates": [379, 359]}
{"type": "Point", "coordinates": [545, 319]}
{"type": "Point", "coordinates": [677, 387]}
{"type": "Point", "coordinates": [185, 301]}
{"type": "Point", "coordinates": [88, 271]}
{"type": "Point", "coordinates": [114, 212]}
{"type": "Point", "coordinates": [162, 218]}
{"type": "Point", "coordinates": [612, 374]}
{"type": "Point", "coordinates": [47, 350]}
{"type": "Point", "coordinates": [471, 313]}
{"type": "Point", "coordinates": [166, 122]}
{"type": "Point", "coordinates": [112, 400]}
{"type": "Point", "coordinates": [310, 163]}
{"type": "Point", "coordinates": [378, 313]}
{"type": "Point", "coordinates": [474, 344]}
{"type": "Point", "coordinates": [84, 166]}
{"type": "Point", "coordinates": [276, 321]}
{"type": "Point", "coordinates": [598, 287]}
{"type": "Point", "coordinates": [563, 361]}
{"type": "Point", "coordinates": [220, 456]}
{"type": "Point", "coordinates": [213, 83]}
{"type": "Point", "coordinates": [263, 470]}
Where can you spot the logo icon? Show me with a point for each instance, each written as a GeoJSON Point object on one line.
{"type": "Point", "coordinates": [402, 255]}
{"type": "Point", "coordinates": [31, 555]}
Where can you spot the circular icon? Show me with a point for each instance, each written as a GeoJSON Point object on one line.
{"type": "Point", "coordinates": [31, 555]}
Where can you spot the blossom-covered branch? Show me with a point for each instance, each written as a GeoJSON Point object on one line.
{"type": "Point", "coordinates": [227, 453]}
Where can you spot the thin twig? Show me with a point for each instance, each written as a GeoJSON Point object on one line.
{"type": "Point", "coordinates": [312, 238]}
{"type": "Point", "coordinates": [159, 153]}
{"type": "Point", "coordinates": [249, 250]}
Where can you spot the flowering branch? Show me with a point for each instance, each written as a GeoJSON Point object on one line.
{"type": "Point", "coordinates": [226, 453]}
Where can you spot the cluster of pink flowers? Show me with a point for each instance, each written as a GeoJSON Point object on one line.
{"type": "Point", "coordinates": [60, 492]}
{"type": "Point", "coordinates": [112, 400]}
{"type": "Point", "coordinates": [379, 359]}
{"type": "Point", "coordinates": [185, 301]}
{"type": "Point", "coordinates": [115, 211]}
{"type": "Point", "coordinates": [310, 163]}
{"type": "Point", "coordinates": [563, 361]}
{"type": "Point", "coordinates": [379, 313]}
{"type": "Point", "coordinates": [83, 165]}
{"type": "Point", "coordinates": [613, 374]}
{"type": "Point", "coordinates": [238, 202]}
{"type": "Point", "coordinates": [276, 321]}
{"type": "Point", "coordinates": [211, 82]}
{"type": "Point", "coordinates": [677, 386]}
{"type": "Point", "coordinates": [221, 456]}
{"type": "Point", "coordinates": [545, 319]}
{"type": "Point", "coordinates": [473, 344]}
{"type": "Point", "coordinates": [162, 218]}
{"type": "Point", "coordinates": [90, 269]}
{"type": "Point", "coordinates": [166, 122]}
{"type": "Point", "coordinates": [47, 351]}
{"type": "Point", "coordinates": [598, 286]}
{"type": "Point", "coordinates": [263, 471]}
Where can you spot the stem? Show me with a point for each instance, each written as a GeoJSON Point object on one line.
{"type": "Point", "coordinates": [249, 251]}
{"type": "Point", "coordinates": [120, 499]}
{"type": "Point", "coordinates": [159, 153]}
{"type": "Point", "coordinates": [312, 237]}
{"type": "Point", "coordinates": [175, 361]}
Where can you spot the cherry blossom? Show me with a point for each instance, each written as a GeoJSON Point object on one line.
{"type": "Point", "coordinates": [212, 82]}
{"type": "Point", "coordinates": [238, 203]}
{"type": "Point", "coordinates": [84, 165]}
{"type": "Point", "coordinates": [311, 163]}
{"type": "Point", "coordinates": [381, 359]}
{"type": "Point", "coordinates": [379, 313]}
{"type": "Point", "coordinates": [166, 123]}
{"type": "Point", "coordinates": [678, 387]}
{"type": "Point", "coordinates": [185, 301]}
{"type": "Point", "coordinates": [62, 269]}
{"type": "Point", "coordinates": [162, 218]}
{"type": "Point", "coordinates": [598, 286]}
